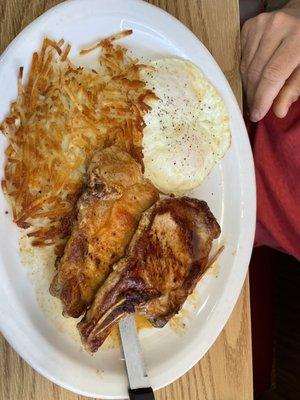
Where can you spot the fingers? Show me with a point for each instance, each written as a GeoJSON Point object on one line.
{"type": "Point", "coordinates": [270, 54]}
{"type": "Point", "coordinates": [265, 51]}
{"type": "Point", "coordinates": [269, 43]}
{"type": "Point", "coordinates": [250, 39]}
{"type": "Point", "coordinates": [281, 65]}
{"type": "Point", "coordinates": [287, 95]}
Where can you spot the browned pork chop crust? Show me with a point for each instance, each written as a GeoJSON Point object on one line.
{"type": "Point", "coordinates": [108, 215]}
{"type": "Point", "coordinates": [165, 259]}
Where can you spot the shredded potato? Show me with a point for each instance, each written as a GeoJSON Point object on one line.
{"type": "Point", "coordinates": [61, 115]}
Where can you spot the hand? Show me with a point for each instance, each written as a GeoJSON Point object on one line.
{"type": "Point", "coordinates": [270, 64]}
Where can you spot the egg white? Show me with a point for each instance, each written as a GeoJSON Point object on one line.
{"type": "Point", "coordinates": [187, 131]}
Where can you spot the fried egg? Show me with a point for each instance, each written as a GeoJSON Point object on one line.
{"type": "Point", "coordinates": [187, 130]}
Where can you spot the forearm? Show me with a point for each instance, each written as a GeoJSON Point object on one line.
{"type": "Point", "coordinates": [293, 4]}
{"type": "Point", "coordinates": [271, 5]}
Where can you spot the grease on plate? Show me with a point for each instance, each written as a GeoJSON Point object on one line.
{"type": "Point", "coordinates": [40, 263]}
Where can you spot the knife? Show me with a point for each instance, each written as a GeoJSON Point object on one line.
{"type": "Point", "coordinates": [140, 388]}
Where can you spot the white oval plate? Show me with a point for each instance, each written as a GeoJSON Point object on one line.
{"type": "Point", "coordinates": [229, 191]}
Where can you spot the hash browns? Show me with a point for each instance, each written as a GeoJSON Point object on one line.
{"type": "Point", "coordinates": [61, 115]}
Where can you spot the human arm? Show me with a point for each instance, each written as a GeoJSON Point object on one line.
{"type": "Point", "coordinates": [270, 64]}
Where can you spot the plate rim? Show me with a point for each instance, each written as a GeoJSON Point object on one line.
{"type": "Point", "coordinates": [226, 312]}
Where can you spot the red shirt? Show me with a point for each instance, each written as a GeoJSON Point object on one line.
{"type": "Point", "coordinates": [276, 150]}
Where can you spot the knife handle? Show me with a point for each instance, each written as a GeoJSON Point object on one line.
{"type": "Point", "coordinates": [141, 394]}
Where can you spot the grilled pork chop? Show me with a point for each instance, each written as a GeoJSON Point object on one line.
{"type": "Point", "coordinates": [108, 215]}
{"type": "Point", "coordinates": [165, 259]}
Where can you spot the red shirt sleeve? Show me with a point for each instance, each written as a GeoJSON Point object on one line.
{"type": "Point", "coordinates": [276, 150]}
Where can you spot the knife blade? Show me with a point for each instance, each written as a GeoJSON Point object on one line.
{"type": "Point", "coordinates": [140, 388]}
